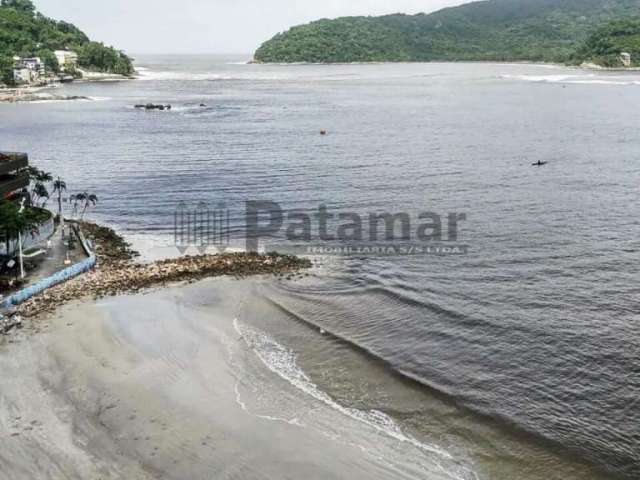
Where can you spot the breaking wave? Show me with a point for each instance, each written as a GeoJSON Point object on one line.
{"type": "Point", "coordinates": [282, 362]}
{"type": "Point", "coordinates": [584, 79]}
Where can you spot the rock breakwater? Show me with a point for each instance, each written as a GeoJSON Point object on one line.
{"type": "Point", "coordinates": [117, 273]}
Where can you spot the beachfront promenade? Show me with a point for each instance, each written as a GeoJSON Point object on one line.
{"type": "Point", "coordinates": [55, 257]}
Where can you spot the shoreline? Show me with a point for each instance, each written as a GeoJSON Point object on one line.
{"type": "Point", "coordinates": [117, 273]}
{"type": "Point", "coordinates": [95, 341]}
{"type": "Point", "coordinates": [192, 373]}
{"type": "Point", "coordinates": [171, 385]}
{"type": "Point", "coordinates": [408, 62]}
{"type": "Point", "coordinates": [36, 93]}
{"type": "Point", "coordinates": [584, 66]}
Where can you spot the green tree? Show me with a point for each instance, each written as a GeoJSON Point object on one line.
{"type": "Point", "coordinates": [38, 178]}
{"type": "Point", "coordinates": [59, 186]}
{"type": "Point", "coordinates": [85, 199]}
{"type": "Point", "coordinates": [6, 69]}
{"type": "Point", "coordinates": [14, 222]}
{"type": "Point", "coordinates": [604, 46]}
{"type": "Point", "coordinates": [490, 30]}
{"type": "Point", "coordinates": [89, 199]}
{"type": "Point", "coordinates": [25, 6]}
{"type": "Point", "coordinates": [25, 32]}
{"type": "Point", "coordinates": [40, 193]}
{"type": "Point", "coordinates": [49, 59]}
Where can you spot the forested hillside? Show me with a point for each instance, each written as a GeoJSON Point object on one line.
{"type": "Point", "coordinates": [603, 47]}
{"type": "Point", "coordinates": [25, 32]}
{"type": "Point", "coordinates": [492, 30]}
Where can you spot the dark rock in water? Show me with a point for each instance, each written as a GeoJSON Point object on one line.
{"type": "Point", "coordinates": [153, 106]}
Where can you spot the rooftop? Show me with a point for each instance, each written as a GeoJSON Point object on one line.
{"type": "Point", "coordinates": [11, 161]}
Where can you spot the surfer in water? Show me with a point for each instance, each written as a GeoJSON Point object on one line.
{"type": "Point", "coordinates": [539, 163]}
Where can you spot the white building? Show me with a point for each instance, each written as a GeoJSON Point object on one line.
{"type": "Point", "coordinates": [66, 59]}
{"type": "Point", "coordinates": [22, 76]}
{"type": "Point", "coordinates": [34, 64]}
{"type": "Point", "coordinates": [28, 71]}
{"type": "Point", "coordinates": [625, 58]}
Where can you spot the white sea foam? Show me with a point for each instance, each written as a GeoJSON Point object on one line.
{"type": "Point", "coordinates": [604, 82]}
{"type": "Point", "coordinates": [243, 406]}
{"type": "Point", "coordinates": [583, 79]}
{"type": "Point", "coordinates": [146, 74]}
{"type": "Point", "coordinates": [544, 78]}
{"type": "Point", "coordinates": [282, 362]}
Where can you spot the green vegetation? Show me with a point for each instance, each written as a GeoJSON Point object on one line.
{"type": "Point", "coordinates": [95, 56]}
{"type": "Point", "coordinates": [492, 30]}
{"type": "Point", "coordinates": [25, 32]}
{"type": "Point", "coordinates": [603, 47]}
{"type": "Point", "coordinates": [14, 222]}
{"type": "Point", "coordinates": [86, 199]}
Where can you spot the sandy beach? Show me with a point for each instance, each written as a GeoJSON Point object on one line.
{"type": "Point", "coordinates": [190, 381]}
{"type": "Point", "coordinates": [153, 386]}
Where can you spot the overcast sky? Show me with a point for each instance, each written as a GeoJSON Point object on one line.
{"type": "Point", "coordinates": [209, 26]}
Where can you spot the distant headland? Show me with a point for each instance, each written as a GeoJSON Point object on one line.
{"type": "Point", "coordinates": [36, 50]}
{"type": "Point", "coordinates": [606, 34]}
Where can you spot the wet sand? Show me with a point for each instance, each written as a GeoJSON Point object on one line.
{"type": "Point", "coordinates": [151, 386]}
{"type": "Point", "coordinates": [193, 381]}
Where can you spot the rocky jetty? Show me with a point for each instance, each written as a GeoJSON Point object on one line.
{"type": "Point", "coordinates": [110, 248]}
{"type": "Point", "coordinates": [21, 97]}
{"type": "Point", "coordinates": [117, 273]}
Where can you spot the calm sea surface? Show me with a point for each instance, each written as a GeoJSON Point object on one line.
{"type": "Point", "coordinates": [535, 333]}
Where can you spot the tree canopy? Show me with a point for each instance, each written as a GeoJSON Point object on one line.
{"type": "Point", "coordinates": [25, 32]}
{"type": "Point", "coordinates": [492, 30]}
{"type": "Point", "coordinates": [604, 46]}
{"type": "Point", "coordinates": [26, 6]}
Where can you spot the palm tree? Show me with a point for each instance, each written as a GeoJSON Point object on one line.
{"type": "Point", "coordinates": [89, 199]}
{"type": "Point", "coordinates": [44, 177]}
{"type": "Point", "coordinates": [32, 172]}
{"type": "Point", "coordinates": [38, 178]}
{"type": "Point", "coordinates": [59, 186]}
{"type": "Point", "coordinates": [40, 192]}
{"type": "Point", "coordinates": [74, 200]}
{"type": "Point", "coordinates": [13, 222]}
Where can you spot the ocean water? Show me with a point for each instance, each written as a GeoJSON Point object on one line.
{"type": "Point", "coordinates": [523, 354]}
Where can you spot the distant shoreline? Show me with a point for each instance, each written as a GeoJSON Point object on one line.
{"type": "Point", "coordinates": [583, 66]}
{"type": "Point", "coordinates": [35, 93]}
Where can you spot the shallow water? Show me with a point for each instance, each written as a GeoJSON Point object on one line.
{"type": "Point", "coordinates": [534, 331]}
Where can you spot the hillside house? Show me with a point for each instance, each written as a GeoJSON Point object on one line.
{"type": "Point", "coordinates": [28, 71]}
{"type": "Point", "coordinates": [625, 58]}
{"type": "Point", "coordinates": [67, 60]}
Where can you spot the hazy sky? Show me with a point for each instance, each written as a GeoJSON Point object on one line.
{"type": "Point", "coordinates": [209, 26]}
